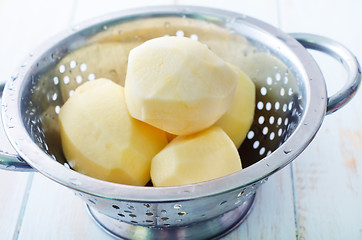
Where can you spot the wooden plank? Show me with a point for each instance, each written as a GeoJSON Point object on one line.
{"type": "Point", "coordinates": [25, 25]}
{"type": "Point", "coordinates": [13, 186]}
{"type": "Point", "coordinates": [54, 212]}
{"type": "Point", "coordinates": [272, 216]}
{"type": "Point", "coordinates": [328, 179]}
{"type": "Point", "coordinates": [264, 10]}
{"type": "Point", "coordinates": [88, 9]}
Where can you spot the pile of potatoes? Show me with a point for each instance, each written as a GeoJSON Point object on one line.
{"type": "Point", "coordinates": [179, 119]}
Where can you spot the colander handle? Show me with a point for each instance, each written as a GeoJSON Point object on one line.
{"type": "Point", "coordinates": [342, 55]}
{"type": "Point", "coordinates": [9, 159]}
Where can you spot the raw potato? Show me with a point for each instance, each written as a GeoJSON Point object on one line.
{"type": "Point", "coordinates": [237, 121]}
{"type": "Point", "coordinates": [178, 85]}
{"type": "Point", "coordinates": [170, 136]}
{"type": "Point", "coordinates": [195, 158]}
{"type": "Point", "coordinates": [100, 139]}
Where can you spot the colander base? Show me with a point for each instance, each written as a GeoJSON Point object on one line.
{"type": "Point", "coordinates": [210, 229]}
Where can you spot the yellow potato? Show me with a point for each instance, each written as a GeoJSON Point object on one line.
{"type": "Point", "coordinates": [100, 139]}
{"type": "Point", "coordinates": [178, 85]}
{"type": "Point", "coordinates": [237, 121]}
{"type": "Point", "coordinates": [195, 158]}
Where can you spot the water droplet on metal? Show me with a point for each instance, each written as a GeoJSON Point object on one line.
{"type": "Point", "coordinates": [177, 206]}
{"type": "Point", "coordinates": [288, 150]}
{"type": "Point", "coordinates": [11, 86]}
{"type": "Point", "coordinates": [14, 76]}
{"type": "Point", "coordinates": [75, 181]}
{"type": "Point", "coordinates": [240, 19]}
{"type": "Point", "coordinates": [10, 167]}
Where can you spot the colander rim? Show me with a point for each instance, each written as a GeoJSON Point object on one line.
{"type": "Point", "coordinates": [296, 143]}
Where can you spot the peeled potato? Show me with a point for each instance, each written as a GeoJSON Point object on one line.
{"type": "Point", "coordinates": [178, 85]}
{"type": "Point", "coordinates": [237, 121]}
{"type": "Point", "coordinates": [195, 158]}
{"type": "Point", "coordinates": [100, 139]}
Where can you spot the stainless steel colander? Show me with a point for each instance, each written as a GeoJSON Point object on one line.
{"type": "Point", "coordinates": [290, 107]}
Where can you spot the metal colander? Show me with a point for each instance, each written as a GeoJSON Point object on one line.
{"type": "Point", "coordinates": [291, 102]}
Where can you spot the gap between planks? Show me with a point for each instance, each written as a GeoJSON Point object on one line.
{"type": "Point", "coordinates": [24, 203]}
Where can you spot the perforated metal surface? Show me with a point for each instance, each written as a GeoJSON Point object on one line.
{"type": "Point", "coordinates": [279, 107]}
{"type": "Point", "coordinates": [269, 57]}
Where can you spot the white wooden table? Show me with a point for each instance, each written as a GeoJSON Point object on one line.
{"type": "Point", "coordinates": [318, 196]}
